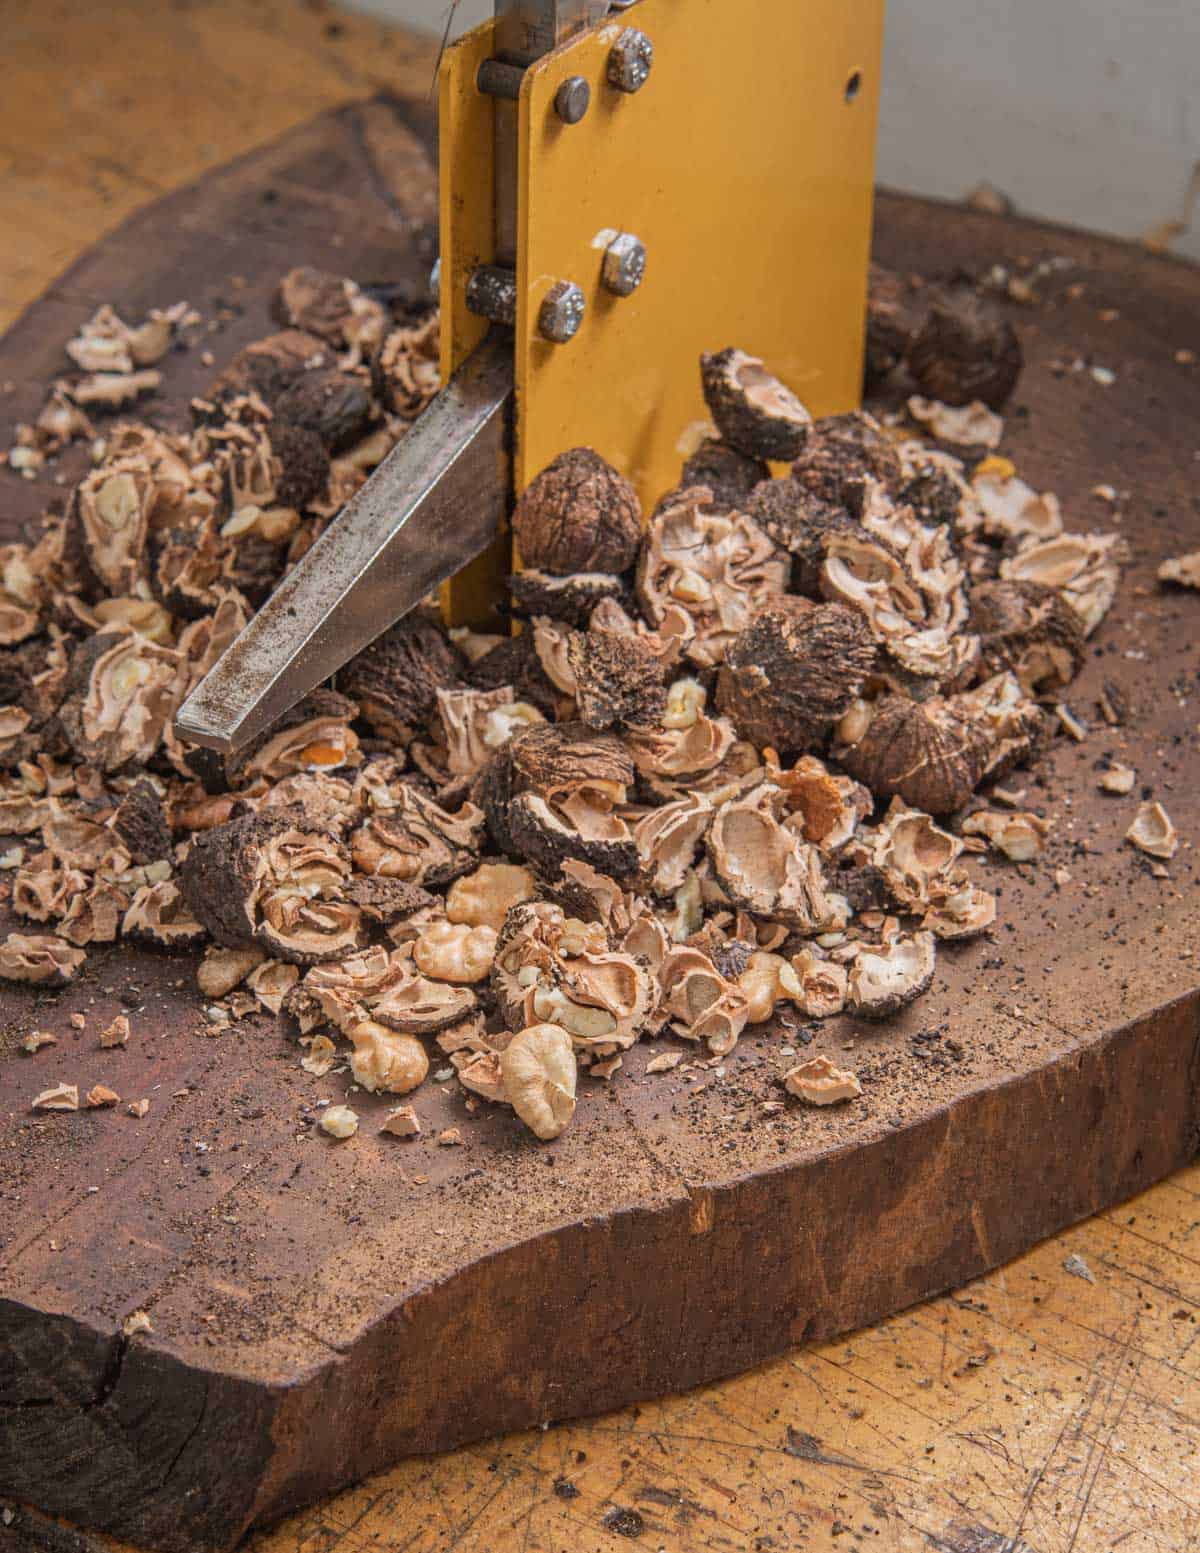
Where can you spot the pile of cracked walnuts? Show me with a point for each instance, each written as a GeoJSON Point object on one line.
{"type": "Point", "coordinates": [709, 776]}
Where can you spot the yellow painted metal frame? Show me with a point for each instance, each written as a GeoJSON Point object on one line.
{"type": "Point", "coordinates": [745, 166]}
{"type": "Point", "coordinates": [466, 197]}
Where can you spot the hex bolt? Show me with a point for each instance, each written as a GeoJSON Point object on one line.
{"type": "Point", "coordinates": [629, 60]}
{"type": "Point", "coordinates": [624, 264]}
{"type": "Point", "coordinates": [561, 313]}
{"type": "Point", "coordinates": [572, 99]}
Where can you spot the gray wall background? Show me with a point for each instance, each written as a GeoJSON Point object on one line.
{"type": "Point", "coordinates": [1082, 111]}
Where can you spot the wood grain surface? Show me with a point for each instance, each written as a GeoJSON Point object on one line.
{"type": "Point", "coordinates": [1037, 1409]}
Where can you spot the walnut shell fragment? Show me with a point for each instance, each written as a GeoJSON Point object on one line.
{"type": "Point", "coordinates": [62, 1097]}
{"type": "Point", "coordinates": [1020, 836]}
{"type": "Point", "coordinates": [1182, 570]}
{"type": "Point", "coordinates": [39, 958]}
{"type": "Point", "coordinates": [539, 1071]}
{"type": "Point", "coordinates": [569, 599]}
{"type": "Point", "coordinates": [578, 515]}
{"type": "Point", "coordinates": [793, 671]}
{"type": "Point", "coordinates": [717, 568]}
{"type": "Point", "coordinates": [966, 349]}
{"type": "Point", "coordinates": [618, 679]}
{"type": "Point", "coordinates": [729, 475]}
{"type": "Point", "coordinates": [1153, 832]}
{"type": "Point", "coordinates": [159, 914]}
{"type": "Point", "coordinates": [120, 692]}
{"type": "Point", "coordinates": [819, 1081]}
{"type": "Point", "coordinates": [416, 840]}
{"type": "Point", "coordinates": [396, 679]}
{"type": "Point", "coordinates": [842, 452]}
{"type": "Point", "coordinates": [273, 879]}
{"type": "Point", "coordinates": [1030, 631]}
{"type": "Point", "coordinates": [766, 868]}
{"type": "Point", "coordinates": [884, 980]}
{"type": "Point", "coordinates": [753, 410]}
{"type": "Point", "coordinates": [1085, 568]}
{"type": "Point", "coordinates": [702, 1004]}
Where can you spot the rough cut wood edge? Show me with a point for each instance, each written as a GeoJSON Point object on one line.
{"type": "Point", "coordinates": [768, 1262]}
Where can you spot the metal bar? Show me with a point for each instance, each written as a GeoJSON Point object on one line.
{"type": "Point", "coordinates": [434, 503]}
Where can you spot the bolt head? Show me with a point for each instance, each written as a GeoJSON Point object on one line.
{"type": "Point", "coordinates": [624, 265]}
{"type": "Point", "coordinates": [561, 313]}
{"type": "Point", "coordinates": [435, 278]}
{"type": "Point", "coordinates": [572, 99]}
{"type": "Point", "coordinates": [629, 60]}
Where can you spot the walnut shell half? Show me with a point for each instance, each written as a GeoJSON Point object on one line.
{"type": "Point", "coordinates": [754, 412]}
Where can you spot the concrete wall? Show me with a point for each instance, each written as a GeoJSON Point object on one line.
{"type": "Point", "coordinates": [1082, 111]}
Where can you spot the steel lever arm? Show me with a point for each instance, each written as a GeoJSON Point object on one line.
{"type": "Point", "coordinates": [435, 503]}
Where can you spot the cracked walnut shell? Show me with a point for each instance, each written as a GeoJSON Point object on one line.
{"type": "Point", "coordinates": [753, 410]}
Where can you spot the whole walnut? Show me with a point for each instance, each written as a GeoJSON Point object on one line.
{"type": "Point", "coordinates": [793, 671]}
{"type": "Point", "coordinates": [578, 515]}
{"type": "Point", "coordinates": [965, 350]}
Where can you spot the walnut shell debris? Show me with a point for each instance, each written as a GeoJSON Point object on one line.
{"type": "Point", "coordinates": [968, 425]}
{"type": "Point", "coordinates": [578, 515]}
{"type": "Point", "coordinates": [702, 1004]}
{"type": "Point", "coordinates": [841, 453]}
{"type": "Point", "coordinates": [272, 879]}
{"type": "Point", "coordinates": [668, 839]}
{"type": "Point", "coordinates": [403, 1122]}
{"type": "Point", "coordinates": [558, 970]}
{"type": "Point", "coordinates": [570, 599]}
{"type": "Point", "coordinates": [418, 841]}
{"type": "Point", "coordinates": [793, 671]}
{"type": "Point", "coordinates": [159, 913]}
{"type": "Point", "coordinates": [1010, 509]}
{"type": "Point", "coordinates": [885, 979]}
{"type": "Point", "coordinates": [415, 1005]}
{"type": "Point", "coordinates": [539, 1071]}
{"type": "Point", "coordinates": [315, 735]}
{"type": "Point", "coordinates": [754, 412]}
{"type": "Point", "coordinates": [39, 958]}
{"type": "Point", "coordinates": [1152, 831]}
{"type": "Point", "coordinates": [108, 524]}
{"type": "Point", "coordinates": [819, 1081]}
{"type": "Point", "coordinates": [1118, 779]}
{"type": "Point", "coordinates": [1085, 568]}
{"type": "Point", "coordinates": [966, 349]}
{"type": "Point", "coordinates": [823, 985]}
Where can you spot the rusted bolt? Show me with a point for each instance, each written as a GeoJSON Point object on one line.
{"type": "Point", "coordinates": [492, 293]}
{"type": "Point", "coordinates": [624, 264]}
{"type": "Point", "coordinates": [561, 313]}
{"type": "Point", "coordinates": [629, 61]}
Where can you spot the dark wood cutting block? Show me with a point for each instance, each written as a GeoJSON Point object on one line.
{"type": "Point", "coordinates": [320, 1309]}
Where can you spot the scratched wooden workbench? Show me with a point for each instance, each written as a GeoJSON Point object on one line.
{"type": "Point", "coordinates": [1051, 1406]}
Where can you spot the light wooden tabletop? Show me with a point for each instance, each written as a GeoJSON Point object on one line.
{"type": "Point", "coordinates": [1052, 1407]}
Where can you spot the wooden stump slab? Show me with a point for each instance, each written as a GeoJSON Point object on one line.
{"type": "Point", "coordinates": [319, 1309]}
